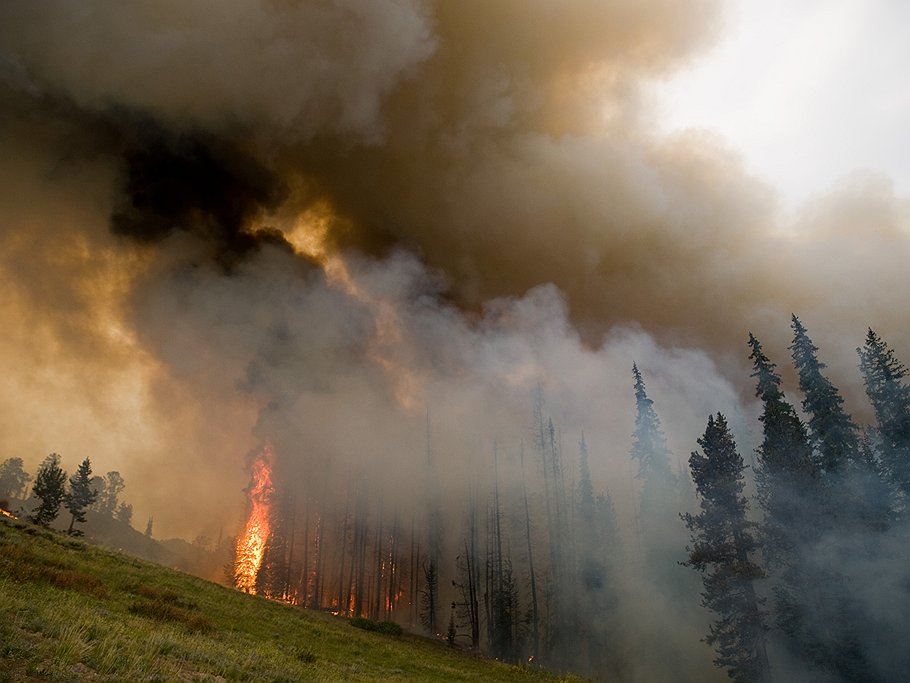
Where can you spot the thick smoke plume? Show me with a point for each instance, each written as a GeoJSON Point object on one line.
{"type": "Point", "coordinates": [317, 223]}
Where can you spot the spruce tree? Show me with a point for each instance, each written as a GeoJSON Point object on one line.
{"type": "Point", "coordinates": [722, 543]}
{"type": "Point", "coordinates": [787, 476]}
{"type": "Point", "coordinates": [834, 434]}
{"type": "Point", "coordinates": [658, 510]}
{"type": "Point", "coordinates": [856, 501]}
{"type": "Point", "coordinates": [789, 492]}
{"type": "Point", "coordinates": [856, 493]}
{"type": "Point", "coordinates": [883, 375]}
{"type": "Point", "coordinates": [80, 495]}
{"type": "Point", "coordinates": [649, 445]}
{"type": "Point", "coordinates": [49, 489]}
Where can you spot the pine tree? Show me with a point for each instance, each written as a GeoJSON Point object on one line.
{"type": "Point", "coordinates": [857, 495]}
{"type": "Point", "coordinates": [49, 488]}
{"type": "Point", "coordinates": [722, 543]}
{"type": "Point", "coordinates": [787, 477]}
{"type": "Point", "coordinates": [649, 445]}
{"type": "Point", "coordinates": [789, 492]}
{"type": "Point", "coordinates": [80, 495]}
{"type": "Point", "coordinates": [13, 478]}
{"type": "Point", "coordinates": [856, 501]}
{"type": "Point", "coordinates": [657, 504]}
{"type": "Point", "coordinates": [889, 394]}
{"type": "Point", "coordinates": [834, 434]}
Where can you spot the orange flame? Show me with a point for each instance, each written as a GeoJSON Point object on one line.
{"type": "Point", "coordinates": [251, 545]}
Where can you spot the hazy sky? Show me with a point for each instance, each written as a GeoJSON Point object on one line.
{"type": "Point", "coordinates": [806, 91]}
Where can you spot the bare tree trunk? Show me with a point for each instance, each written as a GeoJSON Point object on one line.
{"type": "Point", "coordinates": [535, 616]}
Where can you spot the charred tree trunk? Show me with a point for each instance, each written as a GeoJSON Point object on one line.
{"type": "Point", "coordinates": [535, 614]}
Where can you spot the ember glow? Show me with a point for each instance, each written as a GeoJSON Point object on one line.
{"type": "Point", "coordinates": [251, 545]}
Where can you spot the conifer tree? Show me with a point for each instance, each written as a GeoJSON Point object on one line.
{"type": "Point", "coordinates": [49, 489]}
{"type": "Point", "coordinates": [883, 375]}
{"type": "Point", "coordinates": [649, 445]}
{"type": "Point", "coordinates": [787, 476]}
{"type": "Point", "coordinates": [857, 495]}
{"type": "Point", "coordinates": [80, 495]}
{"type": "Point", "coordinates": [658, 501]}
{"type": "Point", "coordinates": [722, 543]}
{"type": "Point", "coordinates": [597, 539]}
{"type": "Point", "coordinates": [789, 492]}
{"type": "Point", "coordinates": [13, 478]}
{"type": "Point", "coordinates": [834, 434]}
{"type": "Point", "coordinates": [856, 501]}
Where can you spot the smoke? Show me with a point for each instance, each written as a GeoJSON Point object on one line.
{"type": "Point", "coordinates": [316, 222]}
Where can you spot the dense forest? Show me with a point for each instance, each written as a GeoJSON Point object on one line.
{"type": "Point", "coordinates": [794, 568]}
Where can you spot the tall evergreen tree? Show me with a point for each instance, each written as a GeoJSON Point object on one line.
{"type": "Point", "coordinates": [80, 495]}
{"type": "Point", "coordinates": [649, 445]}
{"type": "Point", "coordinates": [856, 501]}
{"type": "Point", "coordinates": [834, 434]}
{"type": "Point", "coordinates": [883, 375]}
{"type": "Point", "coordinates": [789, 492]}
{"type": "Point", "coordinates": [596, 538]}
{"type": "Point", "coordinates": [658, 509]}
{"type": "Point", "coordinates": [722, 543]}
{"type": "Point", "coordinates": [857, 495]}
{"type": "Point", "coordinates": [49, 489]}
{"type": "Point", "coordinates": [787, 476]}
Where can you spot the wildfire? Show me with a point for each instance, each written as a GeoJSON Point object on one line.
{"type": "Point", "coordinates": [251, 545]}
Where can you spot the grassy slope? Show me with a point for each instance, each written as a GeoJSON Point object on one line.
{"type": "Point", "coordinates": [75, 612]}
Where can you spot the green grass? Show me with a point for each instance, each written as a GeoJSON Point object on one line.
{"type": "Point", "coordinates": [75, 612]}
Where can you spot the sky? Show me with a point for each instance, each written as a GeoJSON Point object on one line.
{"type": "Point", "coordinates": [828, 99]}
{"type": "Point", "coordinates": [311, 222]}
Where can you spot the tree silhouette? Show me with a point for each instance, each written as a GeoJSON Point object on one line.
{"type": "Point", "coordinates": [49, 489]}
{"type": "Point", "coordinates": [80, 496]}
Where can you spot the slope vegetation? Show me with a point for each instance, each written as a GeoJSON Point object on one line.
{"type": "Point", "coordinates": [70, 611]}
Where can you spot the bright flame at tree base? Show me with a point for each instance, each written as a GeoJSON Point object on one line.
{"type": "Point", "coordinates": [251, 544]}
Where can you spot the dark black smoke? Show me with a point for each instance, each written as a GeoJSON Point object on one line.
{"type": "Point", "coordinates": [197, 182]}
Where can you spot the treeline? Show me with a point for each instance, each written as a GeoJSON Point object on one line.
{"type": "Point", "coordinates": [52, 490]}
{"type": "Point", "coordinates": [531, 563]}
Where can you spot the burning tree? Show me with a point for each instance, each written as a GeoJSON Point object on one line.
{"type": "Point", "coordinates": [251, 544]}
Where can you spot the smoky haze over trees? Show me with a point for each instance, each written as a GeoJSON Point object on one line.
{"type": "Point", "coordinates": [536, 566]}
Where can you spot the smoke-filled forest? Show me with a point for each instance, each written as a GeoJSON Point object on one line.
{"type": "Point", "coordinates": [529, 562]}
{"type": "Point", "coordinates": [419, 308]}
